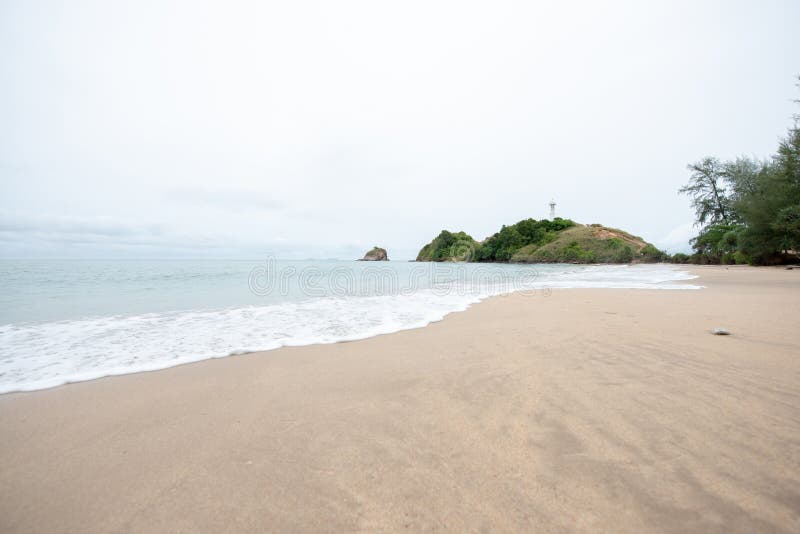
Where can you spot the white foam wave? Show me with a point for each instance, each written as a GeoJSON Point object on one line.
{"type": "Point", "coordinates": [42, 355]}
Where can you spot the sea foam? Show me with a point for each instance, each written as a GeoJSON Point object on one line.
{"type": "Point", "coordinates": [42, 354]}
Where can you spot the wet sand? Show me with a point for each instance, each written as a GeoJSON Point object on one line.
{"type": "Point", "coordinates": [581, 410]}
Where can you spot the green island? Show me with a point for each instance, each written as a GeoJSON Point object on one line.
{"type": "Point", "coordinates": [544, 241]}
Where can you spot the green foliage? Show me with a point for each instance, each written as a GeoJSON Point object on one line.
{"type": "Point", "coordinates": [740, 258]}
{"type": "Point", "coordinates": [625, 255]}
{"type": "Point", "coordinates": [701, 259]}
{"type": "Point", "coordinates": [574, 253]}
{"type": "Point", "coordinates": [680, 257]}
{"type": "Point", "coordinates": [650, 254]}
{"type": "Point", "coordinates": [449, 246]}
{"type": "Point", "coordinates": [717, 241]}
{"type": "Point", "coordinates": [787, 225]}
{"type": "Point", "coordinates": [748, 210]}
{"type": "Point", "coordinates": [766, 208]}
{"type": "Point", "coordinates": [707, 192]}
{"type": "Point", "coordinates": [510, 239]}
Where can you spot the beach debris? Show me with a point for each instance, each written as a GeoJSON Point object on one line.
{"type": "Point", "coordinates": [718, 331]}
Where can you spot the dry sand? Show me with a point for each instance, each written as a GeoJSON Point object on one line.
{"type": "Point", "coordinates": [584, 410]}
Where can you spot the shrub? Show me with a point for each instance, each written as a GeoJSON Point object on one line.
{"type": "Point", "coordinates": [740, 258]}
{"type": "Point", "coordinates": [625, 255]}
{"type": "Point", "coordinates": [651, 254]}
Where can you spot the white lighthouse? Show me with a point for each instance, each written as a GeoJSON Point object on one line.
{"type": "Point", "coordinates": [552, 209]}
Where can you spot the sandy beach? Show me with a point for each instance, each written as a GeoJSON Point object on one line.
{"type": "Point", "coordinates": [574, 410]}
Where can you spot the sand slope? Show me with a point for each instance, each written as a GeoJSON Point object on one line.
{"type": "Point", "coordinates": [584, 410]}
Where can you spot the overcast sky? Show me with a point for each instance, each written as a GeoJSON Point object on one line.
{"type": "Point", "coordinates": [319, 129]}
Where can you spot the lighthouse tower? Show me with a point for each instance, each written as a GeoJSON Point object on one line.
{"type": "Point", "coordinates": [552, 209]}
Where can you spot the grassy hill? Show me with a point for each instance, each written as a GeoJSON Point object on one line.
{"type": "Point", "coordinates": [590, 244]}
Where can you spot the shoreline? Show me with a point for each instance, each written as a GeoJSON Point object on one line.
{"type": "Point", "coordinates": [586, 410]}
{"type": "Point", "coordinates": [195, 357]}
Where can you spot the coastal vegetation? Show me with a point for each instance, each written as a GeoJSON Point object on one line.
{"type": "Point", "coordinates": [748, 210]}
{"type": "Point", "coordinates": [591, 244]}
{"type": "Point", "coordinates": [449, 246]}
{"type": "Point", "coordinates": [544, 241]}
{"type": "Point", "coordinates": [527, 233]}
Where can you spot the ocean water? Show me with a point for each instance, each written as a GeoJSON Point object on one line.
{"type": "Point", "coordinates": [68, 321]}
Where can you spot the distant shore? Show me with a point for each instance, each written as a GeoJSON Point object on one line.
{"type": "Point", "coordinates": [573, 410]}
